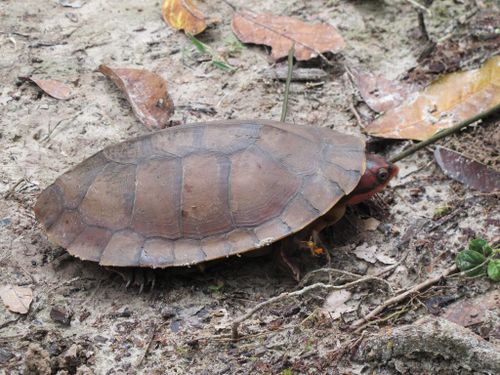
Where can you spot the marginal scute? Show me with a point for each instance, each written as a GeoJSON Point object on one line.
{"type": "Point", "coordinates": [275, 228]}
{"type": "Point", "coordinates": [346, 159]}
{"type": "Point", "coordinates": [179, 141]}
{"type": "Point", "coordinates": [90, 244]}
{"type": "Point", "coordinates": [242, 240]}
{"type": "Point", "coordinates": [230, 138]}
{"type": "Point", "coordinates": [321, 193]}
{"type": "Point", "coordinates": [123, 250]}
{"type": "Point", "coordinates": [188, 252]}
{"type": "Point", "coordinates": [298, 213]}
{"type": "Point", "coordinates": [216, 246]}
{"type": "Point", "coordinates": [49, 206]}
{"type": "Point", "coordinates": [109, 200]}
{"type": "Point", "coordinates": [157, 252]}
{"type": "Point", "coordinates": [66, 228]}
{"type": "Point", "coordinates": [345, 179]}
{"type": "Point", "coordinates": [74, 183]}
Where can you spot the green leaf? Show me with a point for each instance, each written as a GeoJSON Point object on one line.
{"type": "Point", "coordinates": [200, 46]}
{"type": "Point", "coordinates": [469, 259]}
{"type": "Point", "coordinates": [481, 246]}
{"type": "Point", "coordinates": [494, 269]}
{"type": "Point", "coordinates": [223, 66]}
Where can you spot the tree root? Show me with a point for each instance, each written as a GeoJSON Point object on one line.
{"type": "Point", "coordinates": [433, 338]}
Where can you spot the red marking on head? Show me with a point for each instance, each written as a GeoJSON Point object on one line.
{"type": "Point", "coordinates": [377, 175]}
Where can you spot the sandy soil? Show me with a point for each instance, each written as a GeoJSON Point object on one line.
{"type": "Point", "coordinates": [182, 326]}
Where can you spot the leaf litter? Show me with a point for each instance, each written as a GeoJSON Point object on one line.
{"type": "Point", "coordinates": [447, 101]}
{"type": "Point", "coordinates": [16, 298]}
{"type": "Point", "coordinates": [146, 92]}
{"type": "Point", "coordinates": [281, 33]}
{"type": "Point", "coordinates": [56, 89]}
{"type": "Point", "coordinates": [183, 15]}
{"type": "Point", "coordinates": [469, 172]}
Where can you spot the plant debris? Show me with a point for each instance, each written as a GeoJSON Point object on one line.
{"type": "Point", "coordinates": [469, 172]}
{"type": "Point", "coordinates": [446, 102]}
{"type": "Point", "coordinates": [16, 298]}
{"type": "Point", "coordinates": [183, 15]}
{"type": "Point", "coordinates": [281, 33]}
{"type": "Point", "coordinates": [54, 88]}
{"type": "Point", "coordinates": [147, 93]}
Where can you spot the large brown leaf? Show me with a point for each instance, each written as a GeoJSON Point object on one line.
{"type": "Point", "coordinates": [281, 33]}
{"type": "Point", "coordinates": [469, 172]}
{"type": "Point", "coordinates": [147, 93]}
{"type": "Point", "coordinates": [16, 298]}
{"type": "Point", "coordinates": [446, 102]}
{"type": "Point", "coordinates": [183, 15]}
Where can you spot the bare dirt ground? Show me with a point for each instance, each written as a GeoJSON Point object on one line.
{"type": "Point", "coordinates": [182, 326]}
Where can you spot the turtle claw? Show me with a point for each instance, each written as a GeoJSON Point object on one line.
{"type": "Point", "coordinates": [136, 277]}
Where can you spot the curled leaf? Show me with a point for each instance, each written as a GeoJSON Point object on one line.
{"type": "Point", "coordinates": [183, 15]}
{"type": "Point", "coordinates": [54, 88]}
{"type": "Point", "coordinates": [446, 102]}
{"type": "Point", "coordinates": [379, 93]}
{"type": "Point", "coordinates": [282, 32]}
{"type": "Point", "coordinates": [481, 246]}
{"type": "Point", "coordinates": [147, 93]}
{"type": "Point", "coordinates": [16, 298]}
{"type": "Point", "coordinates": [471, 173]}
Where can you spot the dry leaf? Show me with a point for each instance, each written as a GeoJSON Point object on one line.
{"type": "Point", "coordinates": [370, 224]}
{"type": "Point", "coordinates": [469, 172]}
{"type": "Point", "coordinates": [16, 298]}
{"type": "Point", "coordinates": [446, 102]}
{"type": "Point", "coordinates": [147, 93]}
{"type": "Point", "coordinates": [281, 33]}
{"type": "Point", "coordinates": [56, 89]}
{"type": "Point", "coordinates": [183, 15]}
{"type": "Point", "coordinates": [335, 303]}
{"type": "Point", "coordinates": [468, 312]}
{"type": "Point", "coordinates": [366, 253]}
{"type": "Point", "coordinates": [379, 93]}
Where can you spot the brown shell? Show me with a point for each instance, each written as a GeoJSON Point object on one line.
{"type": "Point", "coordinates": [199, 192]}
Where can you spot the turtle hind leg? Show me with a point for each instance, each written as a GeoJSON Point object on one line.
{"type": "Point", "coordinates": [283, 256]}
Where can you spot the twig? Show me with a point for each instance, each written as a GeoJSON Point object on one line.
{"type": "Point", "coordinates": [444, 133]}
{"type": "Point", "coordinates": [402, 296]}
{"type": "Point", "coordinates": [287, 85]}
{"type": "Point", "coordinates": [148, 345]}
{"type": "Point", "coordinates": [296, 293]}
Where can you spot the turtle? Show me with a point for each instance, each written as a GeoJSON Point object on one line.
{"type": "Point", "coordinates": [195, 193]}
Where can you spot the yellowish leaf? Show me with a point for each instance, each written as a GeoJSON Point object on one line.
{"type": "Point", "coordinates": [183, 15]}
{"type": "Point", "coordinates": [446, 102]}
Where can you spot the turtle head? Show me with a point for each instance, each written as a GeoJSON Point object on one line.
{"type": "Point", "coordinates": [377, 175]}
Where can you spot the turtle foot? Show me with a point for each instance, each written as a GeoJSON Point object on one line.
{"type": "Point", "coordinates": [136, 277]}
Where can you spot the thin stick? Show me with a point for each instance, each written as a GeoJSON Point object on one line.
{"type": "Point", "coordinates": [402, 296]}
{"type": "Point", "coordinates": [444, 133]}
{"type": "Point", "coordinates": [287, 85]}
{"type": "Point", "coordinates": [296, 293]}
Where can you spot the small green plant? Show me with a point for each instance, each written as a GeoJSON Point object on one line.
{"type": "Point", "coordinates": [233, 45]}
{"type": "Point", "coordinates": [287, 371]}
{"type": "Point", "coordinates": [216, 59]}
{"type": "Point", "coordinates": [479, 258]}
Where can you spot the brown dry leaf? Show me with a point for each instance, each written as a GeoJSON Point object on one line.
{"type": "Point", "coordinates": [54, 88]}
{"type": "Point", "coordinates": [446, 102]}
{"type": "Point", "coordinates": [469, 172]}
{"type": "Point", "coordinates": [281, 33]}
{"type": "Point", "coordinates": [379, 93]}
{"type": "Point", "coordinates": [16, 298]}
{"type": "Point", "coordinates": [468, 312]}
{"type": "Point", "coordinates": [147, 93]}
{"type": "Point", "coordinates": [183, 15]}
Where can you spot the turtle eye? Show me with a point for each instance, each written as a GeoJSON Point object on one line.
{"type": "Point", "coordinates": [382, 174]}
